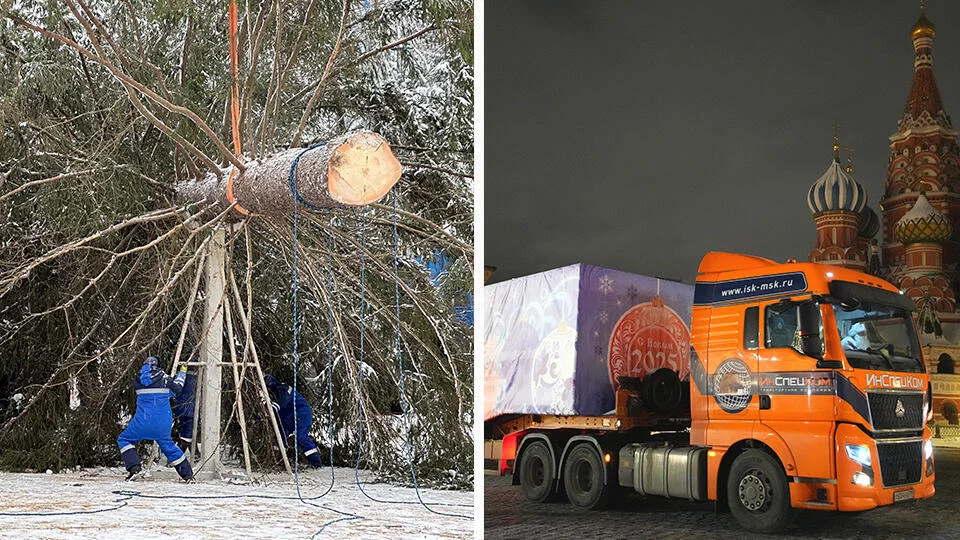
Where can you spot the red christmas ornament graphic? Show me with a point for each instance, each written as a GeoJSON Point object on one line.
{"type": "Point", "coordinates": [648, 337]}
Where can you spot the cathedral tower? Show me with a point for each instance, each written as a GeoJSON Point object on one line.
{"type": "Point", "coordinates": [923, 159]}
{"type": "Point", "coordinates": [837, 201]}
{"type": "Point", "coordinates": [921, 220]}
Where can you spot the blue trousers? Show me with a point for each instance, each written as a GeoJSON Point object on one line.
{"type": "Point", "coordinates": [154, 424]}
{"type": "Point", "coordinates": [186, 427]}
{"type": "Point", "coordinates": [304, 440]}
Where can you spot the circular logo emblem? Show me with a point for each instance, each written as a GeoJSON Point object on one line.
{"type": "Point", "coordinates": [554, 361]}
{"type": "Point", "coordinates": [732, 385]}
{"type": "Point", "coordinates": [648, 337]}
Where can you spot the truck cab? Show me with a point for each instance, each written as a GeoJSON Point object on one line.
{"type": "Point", "coordinates": [807, 380]}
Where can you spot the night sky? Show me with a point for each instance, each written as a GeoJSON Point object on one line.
{"type": "Point", "coordinates": [641, 135]}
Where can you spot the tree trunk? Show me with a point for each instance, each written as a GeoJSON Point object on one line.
{"type": "Point", "coordinates": [350, 170]}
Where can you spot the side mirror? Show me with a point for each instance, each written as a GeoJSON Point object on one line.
{"type": "Point", "coordinates": [829, 364]}
{"type": "Point", "coordinates": [849, 304]}
{"type": "Point", "coordinates": [810, 342]}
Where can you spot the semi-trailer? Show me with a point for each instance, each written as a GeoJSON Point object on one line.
{"type": "Point", "coordinates": [798, 386]}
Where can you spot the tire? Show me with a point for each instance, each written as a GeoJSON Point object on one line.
{"type": "Point", "coordinates": [537, 473]}
{"type": "Point", "coordinates": [583, 478]}
{"type": "Point", "coordinates": [757, 493]}
{"type": "Point", "coordinates": [662, 391]}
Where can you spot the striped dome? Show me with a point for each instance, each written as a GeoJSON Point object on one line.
{"type": "Point", "coordinates": [869, 223]}
{"type": "Point", "coordinates": [836, 191]}
{"type": "Point", "coordinates": [923, 224]}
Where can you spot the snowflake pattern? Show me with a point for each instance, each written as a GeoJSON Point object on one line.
{"type": "Point", "coordinates": [604, 317]}
{"type": "Point", "coordinates": [632, 293]}
{"type": "Point", "coordinates": [599, 350]}
{"type": "Point", "coordinates": [606, 284]}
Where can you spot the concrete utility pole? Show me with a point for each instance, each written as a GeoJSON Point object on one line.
{"type": "Point", "coordinates": [210, 354]}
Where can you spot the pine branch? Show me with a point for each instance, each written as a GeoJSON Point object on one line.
{"type": "Point", "coordinates": [129, 81]}
{"type": "Point", "coordinates": [323, 79]}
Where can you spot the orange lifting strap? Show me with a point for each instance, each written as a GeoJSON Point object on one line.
{"type": "Point", "coordinates": [234, 106]}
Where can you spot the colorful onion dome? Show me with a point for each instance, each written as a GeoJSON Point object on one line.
{"type": "Point", "coordinates": [923, 224]}
{"type": "Point", "coordinates": [836, 191]}
{"type": "Point", "coordinates": [869, 223]}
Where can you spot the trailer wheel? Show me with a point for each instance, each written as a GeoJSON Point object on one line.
{"type": "Point", "coordinates": [757, 493]}
{"type": "Point", "coordinates": [536, 472]}
{"type": "Point", "coordinates": [583, 478]}
{"type": "Point", "coordinates": [662, 390]}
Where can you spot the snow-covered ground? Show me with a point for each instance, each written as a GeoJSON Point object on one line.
{"type": "Point", "coordinates": [98, 503]}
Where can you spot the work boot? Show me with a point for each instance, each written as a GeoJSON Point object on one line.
{"type": "Point", "coordinates": [131, 459]}
{"type": "Point", "coordinates": [184, 469]}
{"type": "Point", "coordinates": [134, 473]}
{"type": "Point", "coordinates": [314, 460]}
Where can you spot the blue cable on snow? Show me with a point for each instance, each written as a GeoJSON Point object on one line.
{"type": "Point", "coordinates": [406, 439]}
{"type": "Point", "coordinates": [347, 516]}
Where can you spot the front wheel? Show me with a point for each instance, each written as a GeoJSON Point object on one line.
{"type": "Point", "coordinates": [757, 492]}
{"type": "Point", "coordinates": [583, 478]}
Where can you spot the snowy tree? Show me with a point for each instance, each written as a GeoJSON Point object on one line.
{"type": "Point", "coordinates": [108, 109]}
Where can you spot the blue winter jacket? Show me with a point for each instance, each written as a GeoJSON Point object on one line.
{"type": "Point", "coordinates": [155, 388]}
{"type": "Point", "coordinates": [288, 404]}
{"type": "Point", "coordinates": [183, 405]}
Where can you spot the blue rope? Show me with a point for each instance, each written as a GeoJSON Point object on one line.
{"type": "Point", "coordinates": [403, 390]}
{"type": "Point", "coordinates": [330, 336]}
{"type": "Point", "coordinates": [296, 333]}
{"type": "Point", "coordinates": [347, 516]}
{"type": "Point", "coordinates": [122, 501]}
{"type": "Point", "coordinates": [363, 316]}
{"type": "Point", "coordinates": [363, 245]}
{"type": "Point", "coordinates": [292, 182]}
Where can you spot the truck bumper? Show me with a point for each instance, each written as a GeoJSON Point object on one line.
{"type": "Point", "coordinates": [860, 486]}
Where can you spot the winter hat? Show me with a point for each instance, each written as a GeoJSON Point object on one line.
{"type": "Point", "coordinates": [271, 381]}
{"type": "Point", "coordinates": [151, 366]}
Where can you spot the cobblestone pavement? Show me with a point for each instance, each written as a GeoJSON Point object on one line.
{"type": "Point", "coordinates": [507, 514]}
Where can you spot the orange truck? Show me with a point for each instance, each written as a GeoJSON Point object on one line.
{"type": "Point", "coordinates": [806, 390]}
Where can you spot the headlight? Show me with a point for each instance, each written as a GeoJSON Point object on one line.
{"type": "Point", "coordinates": [927, 449]}
{"type": "Point", "coordinates": [862, 479]}
{"type": "Point", "coordinates": [859, 453]}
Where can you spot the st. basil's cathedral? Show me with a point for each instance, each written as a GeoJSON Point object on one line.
{"type": "Point", "coordinates": [919, 217]}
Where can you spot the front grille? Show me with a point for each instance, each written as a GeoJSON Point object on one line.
{"type": "Point", "coordinates": [900, 463]}
{"type": "Point", "coordinates": [883, 409]}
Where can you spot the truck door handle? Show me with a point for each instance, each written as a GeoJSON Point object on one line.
{"type": "Point", "coordinates": [764, 402]}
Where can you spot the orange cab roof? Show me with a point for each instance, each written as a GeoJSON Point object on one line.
{"type": "Point", "coordinates": [720, 261]}
{"type": "Point", "coordinates": [737, 266]}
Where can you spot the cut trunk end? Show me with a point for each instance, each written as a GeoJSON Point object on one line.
{"type": "Point", "coordinates": [362, 170]}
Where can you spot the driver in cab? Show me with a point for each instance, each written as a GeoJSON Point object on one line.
{"type": "Point", "coordinates": [856, 339]}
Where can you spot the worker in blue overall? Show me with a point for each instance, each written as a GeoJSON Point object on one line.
{"type": "Point", "coordinates": [183, 409]}
{"type": "Point", "coordinates": [289, 405]}
{"type": "Point", "coordinates": [153, 419]}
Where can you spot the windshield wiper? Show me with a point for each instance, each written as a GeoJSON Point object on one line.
{"type": "Point", "coordinates": [877, 353]}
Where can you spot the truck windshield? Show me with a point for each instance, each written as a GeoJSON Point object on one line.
{"type": "Point", "coordinates": [876, 336]}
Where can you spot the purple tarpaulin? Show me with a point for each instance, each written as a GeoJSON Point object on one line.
{"type": "Point", "coordinates": [555, 342]}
